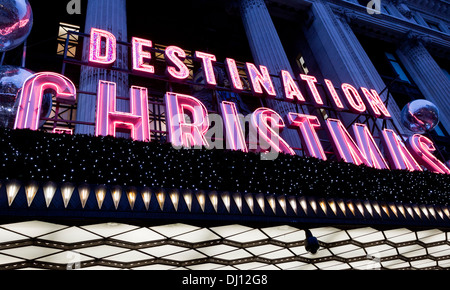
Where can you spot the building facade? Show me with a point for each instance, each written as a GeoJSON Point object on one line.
{"type": "Point", "coordinates": [81, 201]}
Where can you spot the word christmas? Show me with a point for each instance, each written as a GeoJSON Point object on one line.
{"type": "Point", "coordinates": [188, 121]}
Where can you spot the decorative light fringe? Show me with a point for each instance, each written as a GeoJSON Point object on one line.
{"type": "Point", "coordinates": [161, 198]}
{"type": "Point", "coordinates": [250, 202]}
{"type": "Point", "coordinates": [146, 197]}
{"type": "Point", "coordinates": [272, 203]}
{"type": "Point", "coordinates": [291, 175]}
{"type": "Point", "coordinates": [226, 200]}
{"type": "Point", "coordinates": [213, 197]}
{"type": "Point", "coordinates": [201, 200]}
{"type": "Point", "coordinates": [84, 191]}
{"type": "Point", "coordinates": [293, 204]}
{"type": "Point", "coordinates": [31, 190]}
{"type": "Point", "coordinates": [211, 202]}
{"type": "Point", "coordinates": [49, 192]}
{"type": "Point", "coordinates": [67, 191]}
{"type": "Point", "coordinates": [188, 199]}
{"type": "Point", "coordinates": [116, 193]}
{"type": "Point", "coordinates": [238, 200]}
{"type": "Point", "coordinates": [175, 198]}
{"type": "Point", "coordinates": [282, 203]}
{"type": "Point", "coordinates": [131, 195]}
{"type": "Point", "coordinates": [100, 194]}
{"type": "Point", "coordinates": [260, 201]}
{"type": "Point", "coordinates": [341, 205]}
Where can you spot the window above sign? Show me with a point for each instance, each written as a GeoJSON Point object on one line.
{"type": "Point", "coordinates": [65, 37]}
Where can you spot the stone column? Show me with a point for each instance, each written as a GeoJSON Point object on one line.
{"type": "Point", "coordinates": [267, 50]}
{"type": "Point", "coordinates": [427, 75]}
{"type": "Point", "coordinates": [339, 53]}
{"type": "Point", "coordinates": [109, 15]}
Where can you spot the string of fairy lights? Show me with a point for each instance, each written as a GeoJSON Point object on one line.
{"type": "Point", "coordinates": [81, 159]}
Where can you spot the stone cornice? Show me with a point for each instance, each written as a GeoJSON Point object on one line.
{"type": "Point", "coordinates": [440, 7]}
{"type": "Point", "coordinates": [390, 28]}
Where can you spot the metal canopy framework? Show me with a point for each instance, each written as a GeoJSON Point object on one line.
{"type": "Point", "coordinates": [40, 245]}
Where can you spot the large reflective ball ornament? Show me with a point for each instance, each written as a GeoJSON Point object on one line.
{"type": "Point", "coordinates": [12, 79]}
{"type": "Point", "coordinates": [420, 116]}
{"type": "Point", "coordinates": [16, 21]}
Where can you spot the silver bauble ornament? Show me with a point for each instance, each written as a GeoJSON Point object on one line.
{"type": "Point", "coordinates": [12, 79]}
{"type": "Point", "coordinates": [420, 116]}
{"type": "Point", "coordinates": [16, 21]}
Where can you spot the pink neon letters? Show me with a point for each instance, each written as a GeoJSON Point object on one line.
{"type": "Point", "coordinates": [176, 68]}
{"type": "Point", "coordinates": [260, 78]}
{"type": "Point", "coordinates": [375, 104]}
{"type": "Point", "coordinates": [397, 154]}
{"type": "Point", "coordinates": [233, 74]}
{"type": "Point", "coordinates": [188, 122]}
{"type": "Point", "coordinates": [208, 69]}
{"type": "Point", "coordinates": [233, 129]}
{"type": "Point", "coordinates": [369, 147]}
{"type": "Point", "coordinates": [139, 55]}
{"type": "Point", "coordinates": [344, 146]}
{"type": "Point", "coordinates": [291, 90]}
{"type": "Point", "coordinates": [99, 53]}
{"type": "Point", "coordinates": [30, 102]}
{"type": "Point", "coordinates": [311, 81]}
{"type": "Point", "coordinates": [109, 119]}
{"type": "Point", "coordinates": [307, 126]}
{"type": "Point", "coordinates": [353, 98]}
{"type": "Point", "coordinates": [336, 100]}
{"type": "Point", "coordinates": [264, 120]}
{"type": "Point", "coordinates": [181, 132]}
{"type": "Point", "coordinates": [421, 148]}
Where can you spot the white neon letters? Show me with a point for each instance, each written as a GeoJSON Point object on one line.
{"type": "Point", "coordinates": [31, 95]}
{"type": "Point", "coordinates": [109, 119]}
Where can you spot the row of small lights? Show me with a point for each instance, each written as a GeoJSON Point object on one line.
{"type": "Point", "coordinates": [328, 207]}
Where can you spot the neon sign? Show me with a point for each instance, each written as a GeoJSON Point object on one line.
{"type": "Point", "coordinates": [188, 121]}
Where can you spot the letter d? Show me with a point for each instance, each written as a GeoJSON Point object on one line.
{"type": "Point", "coordinates": [74, 7]}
